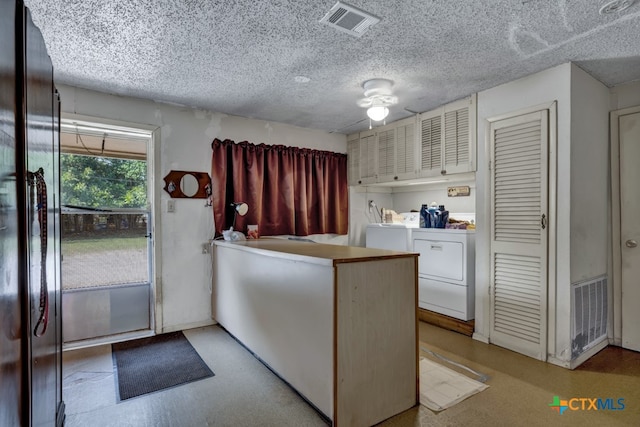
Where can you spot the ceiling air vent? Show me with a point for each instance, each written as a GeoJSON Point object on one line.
{"type": "Point", "coordinates": [349, 19]}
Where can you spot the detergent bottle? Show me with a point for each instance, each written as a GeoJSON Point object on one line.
{"type": "Point", "coordinates": [433, 215]}
{"type": "Point", "coordinates": [442, 217]}
{"type": "Point", "coordinates": [425, 218]}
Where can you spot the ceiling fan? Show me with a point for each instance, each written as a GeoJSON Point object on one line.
{"type": "Point", "coordinates": [377, 98]}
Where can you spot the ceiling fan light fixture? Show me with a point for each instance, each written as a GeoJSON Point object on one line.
{"type": "Point", "coordinates": [378, 97]}
{"type": "Point", "coordinates": [377, 113]}
{"type": "Point", "coordinates": [377, 87]}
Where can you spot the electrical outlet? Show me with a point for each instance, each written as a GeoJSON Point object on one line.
{"type": "Point", "coordinates": [371, 205]}
{"type": "Point", "coordinates": [205, 248]}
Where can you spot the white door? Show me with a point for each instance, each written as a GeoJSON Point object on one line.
{"type": "Point", "coordinates": [519, 212]}
{"type": "Point", "coordinates": [107, 253]}
{"type": "Point", "coordinates": [629, 131]}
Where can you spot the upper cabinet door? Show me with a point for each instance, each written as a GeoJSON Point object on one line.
{"type": "Point", "coordinates": [353, 158]}
{"type": "Point", "coordinates": [430, 124]}
{"type": "Point", "coordinates": [396, 151]}
{"type": "Point", "coordinates": [459, 139]}
{"type": "Point", "coordinates": [386, 153]}
{"type": "Point", "coordinates": [368, 157]}
{"type": "Point", "coordinates": [447, 138]}
{"type": "Point", "coordinates": [438, 142]}
{"type": "Point", "coordinates": [406, 149]}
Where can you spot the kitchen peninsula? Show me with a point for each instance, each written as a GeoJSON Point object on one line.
{"type": "Point", "coordinates": [338, 323]}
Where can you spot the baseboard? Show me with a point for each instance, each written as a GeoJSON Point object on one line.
{"type": "Point", "coordinates": [558, 362]}
{"type": "Point", "coordinates": [588, 354]}
{"type": "Point", "coordinates": [573, 364]}
{"type": "Point", "coordinates": [185, 326]}
{"type": "Point", "coordinates": [109, 339]}
{"type": "Point", "coordinates": [447, 322]}
{"type": "Point", "coordinates": [479, 337]}
{"type": "Point", "coordinates": [324, 416]}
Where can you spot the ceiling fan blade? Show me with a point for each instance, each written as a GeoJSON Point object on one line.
{"type": "Point", "coordinates": [364, 102]}
{"type": "Point", "coordinates": [388, 99]}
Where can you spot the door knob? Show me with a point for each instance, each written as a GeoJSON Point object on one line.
{"type": "Point", "coordinates": [631, 243]}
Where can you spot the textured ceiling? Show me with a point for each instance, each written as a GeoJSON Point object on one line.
{"type": "Point", "coordinates": [241, 57]}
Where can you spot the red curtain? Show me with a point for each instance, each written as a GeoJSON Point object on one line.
{"type": "Point", "coordinates": [289, 190]}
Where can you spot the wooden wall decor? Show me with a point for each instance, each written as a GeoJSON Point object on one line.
{"type": "Point", "coordinates": [458, 191]}
{"type": "Point", "coordinates": [188, 184]}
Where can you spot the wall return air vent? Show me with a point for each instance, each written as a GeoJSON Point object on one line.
{"type": "Point", "coordinates": [349, 19]}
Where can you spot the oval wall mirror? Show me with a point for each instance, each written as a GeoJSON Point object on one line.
{"type": "Point", "coordinates": [189, 185]}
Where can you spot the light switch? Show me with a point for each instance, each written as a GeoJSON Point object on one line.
{"type": "Point", "coordinates": [171, 205]}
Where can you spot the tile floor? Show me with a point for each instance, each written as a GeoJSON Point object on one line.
{"type": "Point", "coordinates": [245, 393]}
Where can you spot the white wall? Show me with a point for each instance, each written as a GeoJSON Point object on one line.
{"type": "Point", "coordinates": [590, 210]}
{"type": "Point", "coordinates": [401, 199]}
{"type": "Point", "coordinates": [413, 197]}
{"type": "Point", "coordinates": [534, 90]}
{"type": "Point", "coordinates": [359, 215]}
{"type": "Point", "coordinates": [589, 220]}
{"type": "Point", "coordinates": [184, 274]}
{"type": "Point", "coordinates": [625, 96]}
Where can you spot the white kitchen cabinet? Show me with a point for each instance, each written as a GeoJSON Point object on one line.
{"type": "Point", "coordinates": [384, 154]}
{"type": "Point", "coordinates": [362, 159]}
{"type": "Point", "coordinates": [396, 151]}
{"type": "Point", "coordinates": [337, 323]}
{"type": "Point", "coordinates": [434, 143]}
{"type": "Point", "coordinates": [386, 139]}
{"type": "Point", "coordinates": [447, 139]}
{"type": "Point", "coordinates": [353, 159]}
{"type": "Point", "coordinates": [430, 143]}
{"type": "Point", "coordinates": [368, 157]}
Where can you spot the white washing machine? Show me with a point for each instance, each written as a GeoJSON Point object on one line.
{"type": "Point", "coordinates": [395, 237]}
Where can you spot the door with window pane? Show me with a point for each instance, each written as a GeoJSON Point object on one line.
{"type": "Point", "coordinates": [106, 234]}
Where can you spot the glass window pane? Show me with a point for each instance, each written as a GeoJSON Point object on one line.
{"type": "Point", "coordinates": [102, 182]}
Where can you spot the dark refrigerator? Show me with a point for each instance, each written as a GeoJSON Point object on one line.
{"type": "Point", "coordinates": [30, 317]}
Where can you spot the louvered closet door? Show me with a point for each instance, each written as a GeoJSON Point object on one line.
{"type": "Point", "coordinates": [519, 191]}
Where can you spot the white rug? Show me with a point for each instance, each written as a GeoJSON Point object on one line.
{"type": "Point", "coordinates": [441, 387]}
